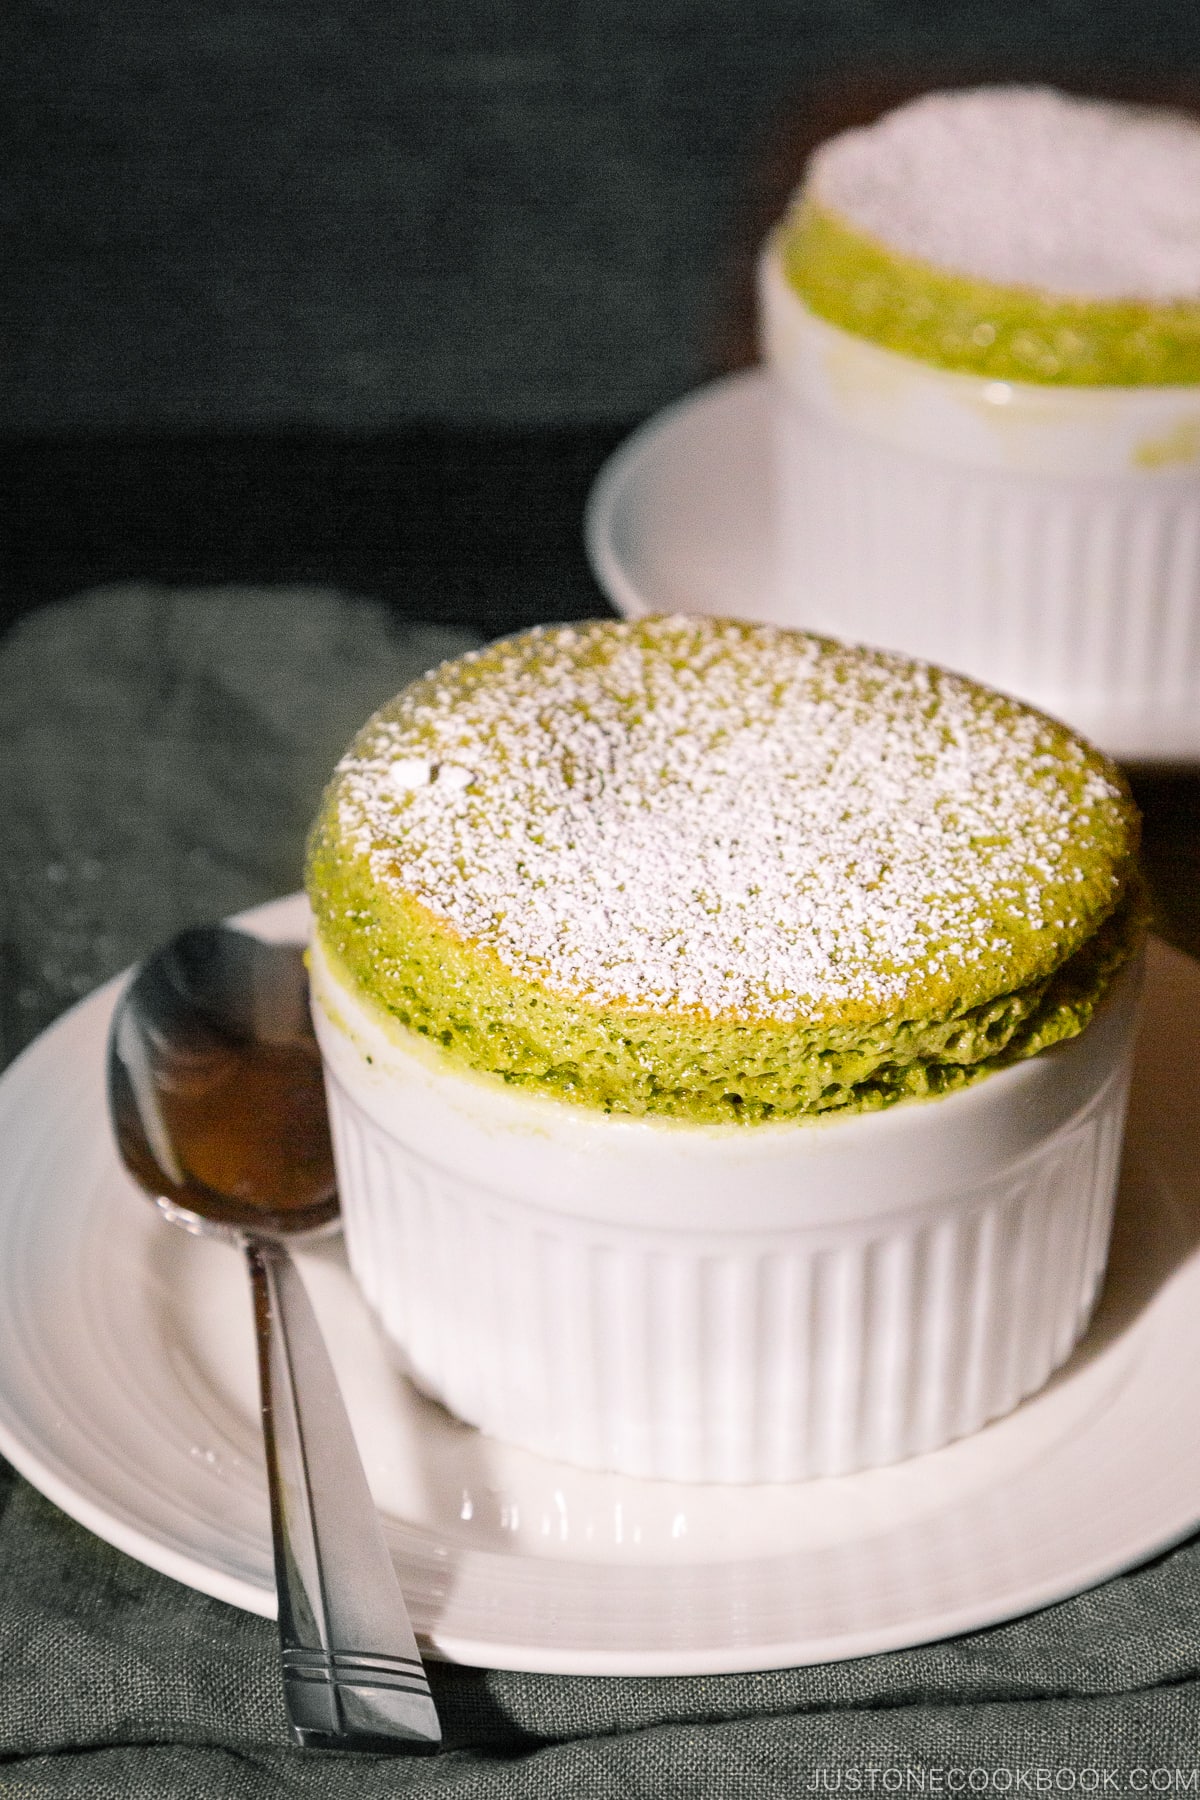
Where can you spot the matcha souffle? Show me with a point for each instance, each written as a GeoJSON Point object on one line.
{"type": "Point", "coordinates": [1017, 233]}
{"type": "Point", "coordinates": [629, 939]}
{"type": "Point", "coordinates": [722, 872]}
{"type": "Point", "coordinates": [982, 314]}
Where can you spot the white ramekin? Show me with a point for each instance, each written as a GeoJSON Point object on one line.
{"type": "Point", "coordinates": [735, 1304]}
{"type": "Point", "coordinates": [1043, 539]}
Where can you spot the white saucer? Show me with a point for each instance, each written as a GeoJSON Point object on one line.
{"type": "Point", "coordinates": [127, 1395]}
{"type": "Point", "coordinates": [679, 520]}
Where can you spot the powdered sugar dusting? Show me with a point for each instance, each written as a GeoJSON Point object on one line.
{"type": "Point", "coordinates": [1028, 187]}
{"type": "Point", "coordinates": [691, 814]}
{"type": "Point", "coordinates": [409, 772]}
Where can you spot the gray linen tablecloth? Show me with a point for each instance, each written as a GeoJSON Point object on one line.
{"type": "Point", "coordinates": [162, 753]}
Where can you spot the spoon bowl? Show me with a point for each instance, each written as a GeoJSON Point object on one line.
{"type": "Point", "coordinates": [218, 1108]}
{"type": "Point", "coordinates": [215, 1086]}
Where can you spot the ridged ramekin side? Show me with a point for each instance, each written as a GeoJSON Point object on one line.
{"type": "Point", "coordinates": [741, 1354]}
{"type": "Point", "coordinates": [1045, 540]}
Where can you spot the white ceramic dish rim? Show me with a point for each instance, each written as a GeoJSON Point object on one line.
{"type": "Point", "coordinates": [1039, 427]}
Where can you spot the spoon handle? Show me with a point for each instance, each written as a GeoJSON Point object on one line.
{"type": "Point", "coordinates": [352, 1674]}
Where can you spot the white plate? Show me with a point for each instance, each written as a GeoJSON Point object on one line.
{"type": "Point", "coordinates": [679, 520]}
{"type": "Point", "coordinates": [127, 1395]}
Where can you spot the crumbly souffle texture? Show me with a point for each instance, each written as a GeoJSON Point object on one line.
{"type": "Point", "coordinates": [1017, 233]}
{"type": "Point", "coordinates": [721, 872]}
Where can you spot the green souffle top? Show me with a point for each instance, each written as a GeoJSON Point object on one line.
{"type": "Point", "coordinates": [717, 871]}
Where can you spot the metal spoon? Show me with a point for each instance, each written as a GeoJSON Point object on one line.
{"type": "Point", "coordinates": [218, 1107]}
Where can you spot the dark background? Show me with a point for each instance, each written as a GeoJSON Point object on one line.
{"type": "Point", "coordinates": [364, 293]}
